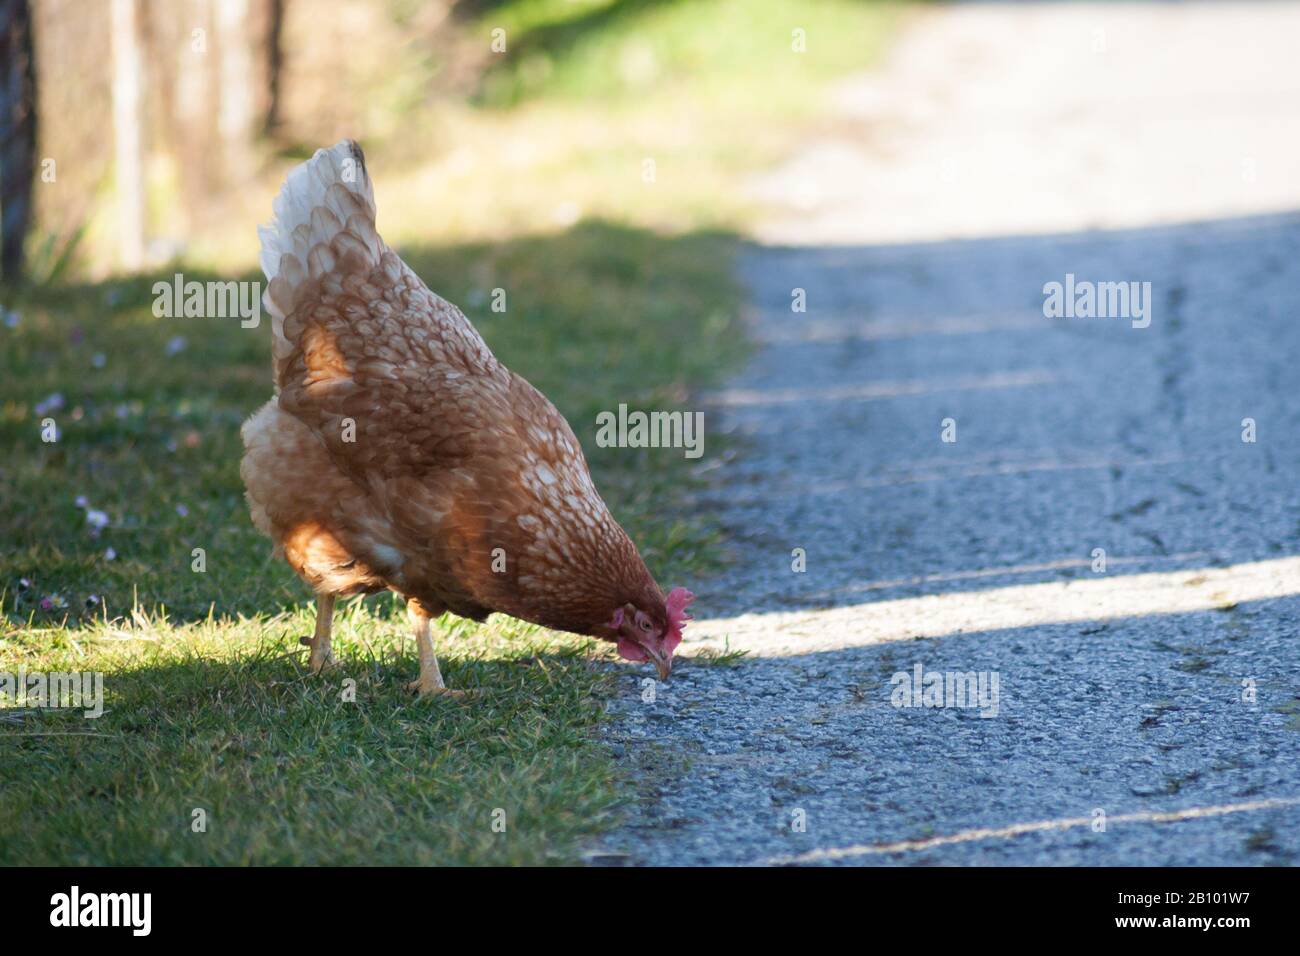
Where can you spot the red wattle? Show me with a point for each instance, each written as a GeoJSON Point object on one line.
{"type": "Point", "coordinates": [630, 650]}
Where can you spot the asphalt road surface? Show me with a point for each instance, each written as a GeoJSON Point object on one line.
{"type": "Point", "coordinates": [951, 463]}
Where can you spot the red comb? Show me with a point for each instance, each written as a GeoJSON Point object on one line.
{"type": "Point", "coordinates": [676, 603]}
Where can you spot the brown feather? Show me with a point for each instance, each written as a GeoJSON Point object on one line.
{"type": "Point", "coordinates": [399, 451]}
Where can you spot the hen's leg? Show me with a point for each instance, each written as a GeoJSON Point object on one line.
{"type": "Point", "coordinates": [430, 681]}
{"type": "Point", "coordinates": [321, 656]}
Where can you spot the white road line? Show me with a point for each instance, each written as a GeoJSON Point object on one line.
{"type": "Point", "coordinates": [1019, 829]}
{"type": "Point", "coordinates": [880, 391]}
{"type": "Point", "coordinates": [1103, 598]}
{"type": "Point", "coordinates": [1011, 571]}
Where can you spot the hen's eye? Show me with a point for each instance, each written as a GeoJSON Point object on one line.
{"type": "Point", "coordinates": [645, 625]}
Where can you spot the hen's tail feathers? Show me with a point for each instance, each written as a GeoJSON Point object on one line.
{"type": "Point", "coordinates": [324, 220]}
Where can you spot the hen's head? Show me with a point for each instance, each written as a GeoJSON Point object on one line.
{"type": "Point", "coordinates": [650, 628]}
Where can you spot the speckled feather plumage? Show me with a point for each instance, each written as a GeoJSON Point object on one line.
{"type": "Point", "coordinates": [452, 456]}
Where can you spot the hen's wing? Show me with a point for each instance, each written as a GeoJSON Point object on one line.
{"type": "Point", "coordinates": [463, 456]}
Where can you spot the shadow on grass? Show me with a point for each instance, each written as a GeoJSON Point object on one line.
{"type": "Point", "coordinates": [148, 412]}
{"type": "Point", "coordinates": [278, 767]}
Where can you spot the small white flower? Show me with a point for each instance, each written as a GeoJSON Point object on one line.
{"type": "Point", "coordinates": [96, 518]}
{"type": "Point", "coordinates": [81, 501]}
{"type": "Point", "coordinates": [182, 510]}
{"type": "Point", "coordinates": [177, 344]}
{"type": "Point", "coordinates": [110, 555]}
{"type": "Point", "coordinates": [99, 360]}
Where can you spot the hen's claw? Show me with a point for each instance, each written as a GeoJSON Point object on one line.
{"type": "Point", "coordinates": [432, 690]}
{"type": "Point", "coordinates": [320, 659]}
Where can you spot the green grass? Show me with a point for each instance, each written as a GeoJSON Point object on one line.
{"type": "Point", "coordinates": [209, 704]}
{"type": "Point", "coordinates": [738, 53]}
{"type": "Point", "coordinates": [221, 717]}
{"type": "Point", "coordinates": [596, 316]}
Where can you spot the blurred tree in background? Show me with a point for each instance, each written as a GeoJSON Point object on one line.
{"type": "Point", "coordinates": [153, 112]}
{"type": "Point", "coordinates": [167, 125]}
{"type": "Point", "coordinates": [17, 132]}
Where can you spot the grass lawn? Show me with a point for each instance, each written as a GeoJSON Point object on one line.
{"type": "Point", "coordinates": [209, 706]}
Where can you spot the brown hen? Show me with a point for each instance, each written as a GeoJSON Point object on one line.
{"type": "Point", "coordinates": [399, 454]}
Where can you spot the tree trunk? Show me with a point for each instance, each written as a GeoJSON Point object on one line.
{"type": "Point", "coordinates": [17, 133]}
{"type": "Point", "coordinates": [235, 108]}
{"type": "Point", "coordinates": [127, 134]}
{"type": "Point", "coordinates": [274, 67]}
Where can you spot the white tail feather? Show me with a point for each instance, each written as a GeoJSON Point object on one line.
{"type": "Point", "coordinates": [309, 213]}
{"type": "Point", "coordinates": [325, 210]}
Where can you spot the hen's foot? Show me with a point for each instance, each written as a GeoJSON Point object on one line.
{"type": "Point", "coordinates": [321, 657]}
{"type": "Point", "coordinates": [429, 689]}
{"type": "Point", "coordinates": [430, 682]}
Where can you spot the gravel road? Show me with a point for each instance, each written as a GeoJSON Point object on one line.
{"type": "Point", "coordinates": [1147, 712]}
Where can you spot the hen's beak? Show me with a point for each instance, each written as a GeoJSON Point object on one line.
{"type": "Point", "coordinates": [663, 664]}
